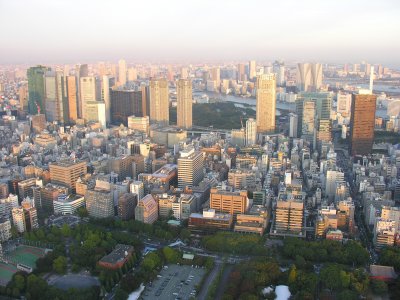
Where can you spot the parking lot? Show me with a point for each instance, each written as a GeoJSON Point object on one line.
{"type": "Point", "coordinates": [174, 282]}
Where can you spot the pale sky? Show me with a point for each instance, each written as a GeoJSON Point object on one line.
{"type": "Point", "coordinates": [69, 31]}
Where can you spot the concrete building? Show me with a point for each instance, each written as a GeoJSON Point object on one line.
{"type": "Point", "coordinates": [309, 76]}
{"type": "Point", "coordinates": [137, 187]}
{"type": "Point", "coordinates": [122, 72]}
{"type": "Point", "coordinates": [140, 124]}
{"type": "Point", "coordinates": [344, 104]}
{"type": "Point", "coordinates": [251, 132]}
{"type": "Point", "coordinates": [229, 201]}
{"type": "Point", "coordinates": [210, 221]}
{"type": "Point", "coordinates": [99, 203]}
{"type": "Point", "coordinates": [18, 217]}
{"type": "Point", "coordinates": [159, 101]}
{"type": "Point", "coordinates": [363, 109]}
{"type": "Point", "coordinates": [184, 103]}
{"type": "Point", "coordinates": [190, 168]}
{"type": "Point", "coordinates": [265, 103]}
{"type": "Point", "coordinates": [67, 172]}
{"type": "Point", "coordinates": [67, 205]}
{"type": "Point", "coordinates": [88, 96]}
{"type": "Point", "coordinates": [126, 206]}
{"type": "Point", "coordinates": [72, 98]}
{"type": "Point", "coordinates": [146, 210]}
{"type": "Point", "coordinates": [124, 104]}
{"type": "Point", "coordinates": [5, 229]}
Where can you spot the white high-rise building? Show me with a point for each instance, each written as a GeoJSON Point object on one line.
{"type": "Point", "coordinates": [18, 217]}
{"type": "Point", "coordinates": [251, 132]}
{"type": "Point", "coordinates": [137, 187]}
{"type": "Point", "coordinates": [252, 69]}
{"type": "Point", "coordinates": [309, 76]}
{"type": "Point", "coordinates": [332, 179]}
{"type": "Point", "coordinates": [344, 104]}
{"type": "Point", "coordinates": [88, 93]}
{"type": "Point", "coordinates": [190, 167]}
{"type": "Point", "coordinates": [122, 69]}
{"type": "Point", "coordinates": [293, 122]}
{"type": "Point", "coordinates": [105, 96]}
{"type": "Point", "coordinates": [185, 103]}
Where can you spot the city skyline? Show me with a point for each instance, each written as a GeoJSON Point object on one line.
{"type": "Point", "coordinates": [199, 31]}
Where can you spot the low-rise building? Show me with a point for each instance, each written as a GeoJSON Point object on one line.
{"type": "Point", "coordinates": [67, 205]}
{"type": "Point", "coordinates": [210, 221]}
{"type": "Point", "coordinates": [117, 258]}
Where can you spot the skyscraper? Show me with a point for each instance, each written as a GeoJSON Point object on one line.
{"type": "Point", "coordinates": [72, 96]}
{"type": "Point", "coordinates": [124, 104]}
{"type": "Point", "coordinates": [122, 69]}
{"type": "Point", "coordinates": [56, 103]}
{"type": "Point", "coordinates": [87, 92]}
{"type": "Point", "coordinates": [252, 69]}
{"type": "Point", "coordinates": [105, 96]}
{"type": "Point", "coordinates": [184, 102]}
{"type": "Point", "coordinates": [309, 77]}
{"type": "Point", "coordinates": [67, 172]}
{"type": "Point", "coordinates": [251, 132]}
{"type": "Point", "coordinates": [363, 108]}
{"type": "Point", "coordinates": [266, 103]}
{"type": "Point", "coordinates": [159, 101]}
{"type": "Point", "coordinates": [36, 89]}
{"type": "Point", "coordinates": [190, 168]}
{"type": "Point", "coordinates": [241, 72]}
{"type": "Point", "coordinates": [279, 71]}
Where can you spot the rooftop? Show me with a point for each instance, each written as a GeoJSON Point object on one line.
{"type": "Point", "coordinates": [118, 254]}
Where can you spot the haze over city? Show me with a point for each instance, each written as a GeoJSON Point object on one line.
{"type": "Point", "coordinates": [63, 31]}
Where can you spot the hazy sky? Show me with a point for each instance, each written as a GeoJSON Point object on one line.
{"type": "Point", "coordinates": [51, 31]}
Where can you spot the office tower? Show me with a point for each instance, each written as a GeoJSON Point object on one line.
{"type": "Point", "coordinates": [146, 210]}
{"type": "Point", "coordinates": [83, 70]}
{"type": "Point", "coordinates": [23, 96]}
{"type": "Point", "coordinates": [393, 108]}
{"type": "Point", "coordinates": [293, 123]}
{"type": "Point", "coordinates": [18, 217]}
{"type": "Point", "coordinates": [126, 206]}
{"type": "Point", "coordinates": [184, 102]}
{"type": "Point", "coordinates": [137, 187]}
{"type": "Point", "coordinates": [332, 179]}
{"type": "Point", "coordinates": [122, 72]}
{"type": "Point", "coordinates": [251, 132]}
{"type": "Point", "coordinates": [25, 188]}
{"type": "Point", "coordinates": [55, 97]}
{"type": "Point", "coordinates": [67, 173]}
{"type": "Point", "coordinates": [124, 104]}
{"type": "Point", "coordinates": [289, 216]}
{"type": "Point", "coordinates": [363, 108]}
{"type": "Point", "coordinates": [140, 124]}
{"type": "Point", "coordinates": [145, 99]}
{"type": "Point", "coordinates": [3, 190]}
{"type": "Point", "coordinates": [309, 77]}
{"type": "Point", "coordinates": [241, 72]}
{"type": "Point", "coordinates": [88, 93]}
{"type": "Point", "coordinates": [308, 120]}
{"type": "Point", "coordinates": [36, 89]}
{"type": "Point", "coordinates": [5, 229]}
{"type": "Point", "coordinates": [371, 80]}
{"type": "Point", "coordinates": [99, 203]}
{"type": "Point", "coordinates": [240, 178]}
{"type": "Point", "coordinates": [132, 74]}
{"type": "Point", "coordinates": [324, 131]}
{"type": "Point", "coordinates": [322, 107]}
{"type": "Point", "coordinates": [228, 201]}
{"type": "Point", "coordinates": [31, 219]}
{"type": "Point", "coordinates": [95, 111]}
{"type": "Point", "coordinates": [216, 76]}
{"type": "Point", "coordinates": [159, 101]}
{"type": "Point", "coordinates": [252, 69]}
{"type": "Point", "coordinates": [72, 96]}
{"type": "Point", "coordinates": [344, 104]}
{"type": "Point", "coordinates": [105, 96]}
{"type": "Point", "coordinates": [266, 103]}
{"type": "Point", "coordinates": [238, 137]}
{"type": "Point", "coordinates": [278, 68]}
{"type": "Point", "coordinates": [190, 168]}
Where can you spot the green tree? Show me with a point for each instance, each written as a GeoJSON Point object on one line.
{"type": "Point", "coordinates": [19, 282]}
{"type": "Point", "coordinates": [292, 275]}
{"type": "Point", "coordinates": [66, 230]}
{"type": "Point", "coordinates": [330, 276]}
{"type": "Point", "coordinates": [60, 265]}
{"type": "Point", "coordinates": [171, 255]}
{"type": "Point", "coordinates": [36, 287]}
{"type": "Point", "coordinates": [120, 294]}
{"type": "Point", "coordinates": [379, 287]}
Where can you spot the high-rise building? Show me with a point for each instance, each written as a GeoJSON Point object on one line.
{"type": "Point", "coordinates": [266, 103]}
{"type": "Point", "coordinates": [185, 103]}
{"type": "Point", "coordinates": [23, 96]}
{"type": "Point", "coordinates": [241, 72]}
{"type": "Point", "coordinates": [190, 168]}
{"type": "Point", "coordinates": [87, 94]}
{"type": "Point", "coordinates": [363, 108]}
{"type": "Point", "coordinates": [122, 69]}
{"type": "Point", "coordinates": [278, 68]}
{"type": "Point", "coordinates": [146, 210]}
{"type": "Point", "coordinates": [309, 77]}
{"type": "Point", "coordinates": [132, 74]}
{"type": "Point", "coordinates": [105, 96]}
{"type": "Point", "coordinates": [216, 76]}
{"type": "Point", "coordinates": [5, 229]}
{"type": "Point", "coordinates": [137, 187]}
{"type": "Point", "coordinates": [56, 103]}
{"type": "Point", "coordinates": [124, 104]}
{"type": "Point", "coordinates": [126, 206]}
{"type": "Point", "coordinates": [293, 123]}
{"type": "Point", "coordinates": [36, 89]}
{"type": "Point", "coordinates": [38, 123]}
{"type": "Point", "coordinates": [159, 101]}
{"type": "Point", "coordinates": [67, 172]}
{"type": "Point", "coordinates": [72, 95]}
{"type": "Point", "coordinates": [99, 203]}
{"type": "Point", "coordinates": [344, 104]}
{"type": "Point", "coordinates": [252, 69]}
{"type": "Point", "coordinates": [18, 217]}
{"type": "Point", "coordinates": [251, 132]}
